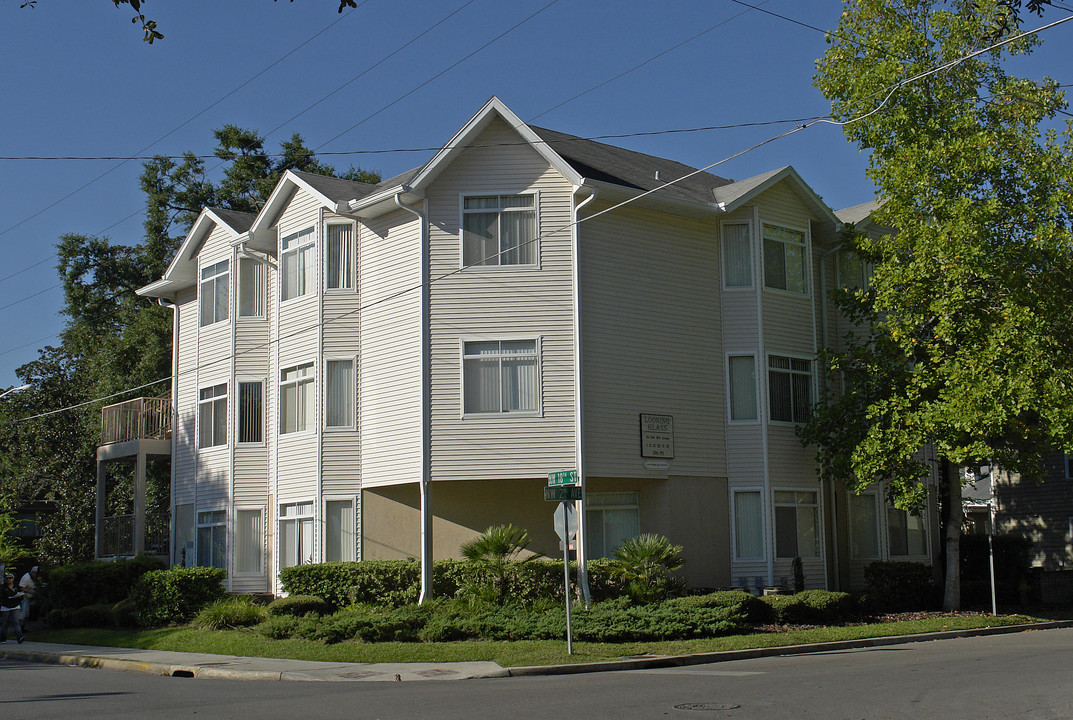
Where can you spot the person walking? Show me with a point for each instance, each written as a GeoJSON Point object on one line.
{"type": "Point", "coordinates": [10, 597]}
{"type": "Point", "coordinates": [28, 585]}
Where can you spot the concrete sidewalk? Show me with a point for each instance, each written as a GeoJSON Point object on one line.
{"type": "Point", "coordinates": [233, 667]}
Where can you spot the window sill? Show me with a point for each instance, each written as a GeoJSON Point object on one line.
{"type": "Point", "coordinates": [498, 415]}
{"type": "Point", "coordinates": [499, 268]}
{"type": "Point", "coordinates": [788, 293]}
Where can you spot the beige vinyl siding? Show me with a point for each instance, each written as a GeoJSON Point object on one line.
{"type": "Point", "coordinates": [389, 364]}
{"type": "Point", "coordinates": [183, 460]}
{"type": "Point", "coordinates": [251, 474]}
{"type": "Point", "coordinates": [651, 341]}
{"type": "Point", "coordinates": [501, 302]}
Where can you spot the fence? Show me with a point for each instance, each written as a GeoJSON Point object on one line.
{"type": "Point", "coordinates": [138, 419]}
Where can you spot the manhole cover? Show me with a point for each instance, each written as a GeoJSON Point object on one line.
{"type": "Point", "coordinates": [706, 706]}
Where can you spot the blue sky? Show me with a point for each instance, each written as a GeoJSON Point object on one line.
{"type": "Point", "coordinates": [77, 80]}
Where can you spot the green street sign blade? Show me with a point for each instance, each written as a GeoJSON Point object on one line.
{"type": "Point", "coordinates": [563, 477]}
{"type": "Point", "coordinates": [559, 493]}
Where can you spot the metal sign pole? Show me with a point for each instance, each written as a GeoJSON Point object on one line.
{"type": "Point", "coordinates": [566, 586]}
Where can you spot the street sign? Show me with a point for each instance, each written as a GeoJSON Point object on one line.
{"type": "Point", "coordinates": [563, 477]}
{"type": "Point", "coordinates": [562, 492]}
{"type": "Point", "coordinates": [566, 521]}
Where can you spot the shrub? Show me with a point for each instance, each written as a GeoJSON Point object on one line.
{"type": "Point", "coordinates": [95, 616]}
{"type": "Point", "coordinates": [231, 612]}
{"type": "Point", "coordinates": [94, 583]}
{"type": "Point", "coordinates": [175, 595]}
{"type": "Point", "coordinates": [495, 555]}
{"type": "Point", "coordinates": [746, 605]}
{"type": "Point", "coordinates": [901, 586]}
{"type": "Point", "coordinates": [812, 607]}
{"type": "Point", "coordinates": [125, 613]}
{"type": "Point", "coordinates": [278, 627]}
{"type": "Point", "coordinates": [644, 564]}
{"type": "Point", "coordinates": [299, 605]}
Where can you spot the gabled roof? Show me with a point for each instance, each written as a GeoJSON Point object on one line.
{"type": "Point", "coordinates": [732, 196]}
{"type": "Point", "coordinates": [858, 214]}
{"type": "Point", "coordinates": [332, 193]}
{"type": "Point", "coordinates": [182, 272]}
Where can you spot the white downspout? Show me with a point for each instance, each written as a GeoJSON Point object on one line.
{"type": "Point", "coordinates": [579, 415]}
{"type": "Point", "coordinates": [426, 407]}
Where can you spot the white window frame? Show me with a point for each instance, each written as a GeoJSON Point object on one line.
{"type": "Point", "coordinates": [593, 506]}
{"type": "Point", "coordinates": [214, 279]}
{"type": "Point", "coordinates": [262, 545]}
{"type": "Point", "coordinates": [302, 384]}
{"type": "Point", "coordinates": [723, 253]}
{"type": "Point", "coordinates": [764, 540]}
{"type": "Point", "coordinates": [328, 499]}
{"type": "Point", "coordinates": [305, 555]}
{"type": "Point", "coordinates": [352, 419]}
{"type": "Point", "coordinates": [806, 245]}
{"type": "Point", "coordinates": [213, 524]}
{"type": "Point", "coordinates": [305, 239]}
{"type": "Point", "coordinates": [351, 254]}
{"type": "Point", "coordinates": [535, 412]}
{"type": "Point", "coordinates": [500, 266]}
{"type": "Point", "coordinates": [758, 402]}
{"type": "Point", "coordinates": [817, 514]}
{"type": "Point", "coordinates": [261, 278]}
{"type": "Point", "coordinates": [239, 382]}
{"type": "Point", "coordinates": [212, 401]}
{"type": "Point", "coordinates": [793, 373]}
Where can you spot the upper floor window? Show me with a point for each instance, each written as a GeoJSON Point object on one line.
{"type": "Point", "coordinates": [251, 288]}
{"type": "Point", "coordinates": [737, 255]}
{"type": "Point", "coordinates": [296, 398]}
{"type": "Point", "coordinates": [214, 282]}
{"type": "Point", "coordinates": [789, 388]}
{"type": "Point", "coordinates": [339, 257]}
{"type": "Point", "coordinates": [297, 266]}
{"type": "Point", "coordinates": [339, 393]}
{"type": "Point", "coordinates": [742, 371]}
{"type": "Point", "coordinates": [250, 411]}
{"type": "Point", "coordinates": [853, 272]}
{"type": "Point", "coordinates": [212, 416]}
{"type": "Point", "coordinates": [500, 376]}
{"type": "Point", "coordinates": [499, 230]}
{"type": "Point", "coordinates": [785, 259]}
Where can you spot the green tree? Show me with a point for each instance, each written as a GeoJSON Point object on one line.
{"type": "Point", "coordinates": [967, 341]}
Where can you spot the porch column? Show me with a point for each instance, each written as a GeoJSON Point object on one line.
{"type": "Point", "coordinates": [102, 486]}
{"type": "Point", "coordinates": [139, 503]}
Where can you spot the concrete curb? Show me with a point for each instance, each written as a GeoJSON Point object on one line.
{"type": "Point", "coordinates": [670, 661]}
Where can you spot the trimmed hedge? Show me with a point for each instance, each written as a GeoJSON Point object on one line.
{"type": "Point", "coordinates": [175, 595]}
{"type": "Point", "coordinates": [812, 607]}
{"type": "Point", "coordinates": [299, 605]}
{"type": "Point", "coordinates": [98, 582]}
{"type": "Point", "coordinates": [901, 586]}
{"type": "Point", "coordinates": [746, 605]}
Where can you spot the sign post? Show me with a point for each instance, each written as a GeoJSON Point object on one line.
{"type": "Point", "coordinates": [562, 488]}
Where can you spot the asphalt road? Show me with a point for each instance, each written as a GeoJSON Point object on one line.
{"type": "Point", "coordinates": [1025, 675]}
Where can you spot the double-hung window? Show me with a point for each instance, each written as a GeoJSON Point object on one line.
{"type": "Point", "coordinates": [295, 534]}
{"type": "Point", "coordinates": [296, 398]}
{"type": "Point", "coordinates": [339, 257]}
{"type": "Point", "coordinates": [212, 416]}
{"type": "Point", "coordinates": [499, 230]}
{"type": "Point", "coordinates": [789, 388]}
{"type": "Point", "coordinates": [737, 255]}
{"type": "Point", "coordinates": [251, 411]}
{"type": "Point", "coordinates": [742, 375]}
{"type": "Point", "coordinates": [797, 524]}
{"type": "Point", "coordinates": [500, 376]}
{"type": "Point", "coordinates": [340, 540]}
{"type": "Point", "coordinates": [249, 541]}
{"type": "Point", "coordinates": [214, 283]}
{"type": "Point", "coordinates": [785, 259]}
{"type": "Point", "coordinates": [212, 538]}
{"type": "Point", "coordinates": [339, 393]}
{"type": "Point", "coordinates": [297, 264]}
{"type": "Point", "coordinates": [748, 509]}
{"type": "Point", "coordinates": [906, 533]}
{"type": "Point", "coordinates": [251, 288]}
{"type": "Point", "coordinates": [610, 518]}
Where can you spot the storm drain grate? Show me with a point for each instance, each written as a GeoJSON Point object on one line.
{"type": "Point", "coordinates": [706, 706]}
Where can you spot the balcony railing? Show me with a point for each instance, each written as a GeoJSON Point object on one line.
{"type": "Point", "coordinates": [117, 535]}
{"type": "Point", "coordinates": [138, 419]}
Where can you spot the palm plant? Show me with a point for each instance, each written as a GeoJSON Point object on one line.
{"type": "Point", "coordinates": [496, 550]}
{"type": "Point", "coordinates": [644, 563]}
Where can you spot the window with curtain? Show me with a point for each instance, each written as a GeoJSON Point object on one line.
{"type": "Point", "coordinates": [748, 525]}
{"type": "Point", "coordinates": [296, 399]}
{"type": "Point", "coordinates": [785, 259]}
{"type": "Point", "coordinates": [610, 518]}
{"type": "Point", "coordinates": [295, 534]}
{"type": "Point", "coordinates": [499, 230]}
{"type": "Point", "coordinates": [214, 283]}
{"type": "Point", "coordinates": [340, 540]}
{"type": "Point", "coordinates": [797, 524]}
{"type": "Point", "coordinates": [906, 533]}
{"type": "Point", "coordinates": [249, 541]}
{"type": "Point", "coordinates": [789, 389]}
{"type": "Point", "coordinates": [863, 526]}
{"type": "Point", "coordinates": [853, 273]}
{"type": "Point", "coordinates": [251, 288]}
{"type": "Point", "coordinates": [500, 376]}
{"type": "Point", "coordinates": [212, 416]}
{"type": "Point", "coordinates": [737, 255]}
{"type": "Point", "coordinates": [250, 411]}
{"type": "Point", "coordinates": [296, 266]}
{"type": "Point", "coordinates": [212, 539]}
{"type": "Point", "coordinates": [742, 387]}
{"type": "Point", "coordinates": [339, 257]}
{"type": "Point", "coordinates": [339, 393]}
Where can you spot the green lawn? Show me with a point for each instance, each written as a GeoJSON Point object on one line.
{"type": "Point", "coordinates": [507, 654]}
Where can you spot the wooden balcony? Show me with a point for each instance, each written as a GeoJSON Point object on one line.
{"type": "Point", "coordinates": [138, 419]}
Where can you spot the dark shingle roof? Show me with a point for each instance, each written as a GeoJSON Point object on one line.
{"type": "Point", "coordinates": [336, 189]}
{"type": "Point", "coordinates": [858, 212]}
{"type": "Point", "coordinates": [238, 221]}
{"type": "Point", "coordinates": [599, 161]}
